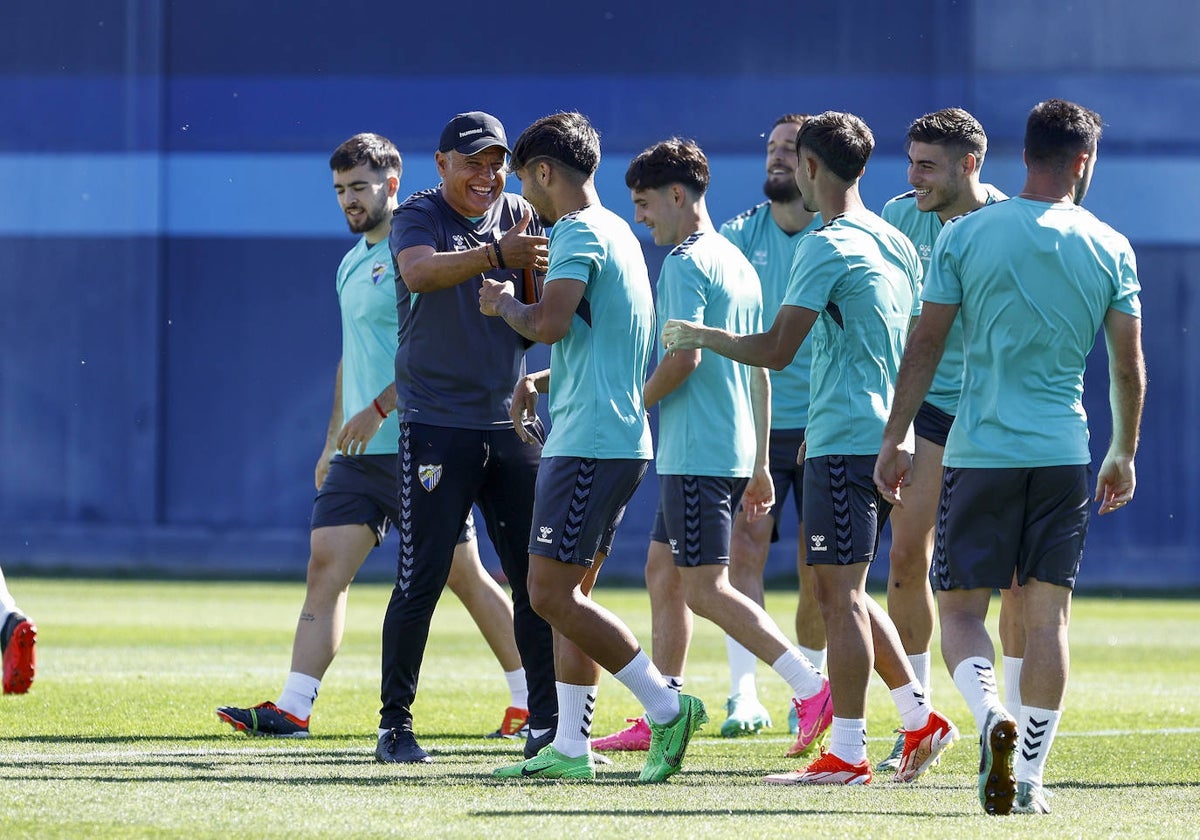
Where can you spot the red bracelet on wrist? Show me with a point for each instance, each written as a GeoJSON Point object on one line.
{"type": "Point", "coordinates": [382, 413]}
{"type": "Point", "coordinates": [488, 254]}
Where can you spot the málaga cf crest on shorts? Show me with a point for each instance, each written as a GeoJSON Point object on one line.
{"type": "Point", "coordinates": [430, 475]}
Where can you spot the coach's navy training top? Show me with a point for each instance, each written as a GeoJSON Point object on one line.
{"type": "Point", "coordinates": [455, 366]}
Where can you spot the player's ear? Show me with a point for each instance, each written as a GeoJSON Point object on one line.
{"type": "Point", "coordinates": [969, 163]}
{"type": "Point", "coordinates": [1079, 164]}
{"type": "Point", "coordinates": [393, 184]}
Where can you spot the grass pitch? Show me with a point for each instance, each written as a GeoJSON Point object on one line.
{"type": "Point", "coordinates": [118, 737]}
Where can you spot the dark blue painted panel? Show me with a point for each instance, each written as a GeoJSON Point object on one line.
{"type": "Point", "coordinates": [79, 380]}
{"type": "Point", "coordinates": [251, 352]}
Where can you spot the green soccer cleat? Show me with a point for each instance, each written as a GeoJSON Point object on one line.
{"type": "Point", "coordinates": [550, 764]}
{"type": "Point", "coordinates": [1030, 799]}
{"type": "Point", "coordinates": [889, 764]}
{"type": "Point", "coordinates": [744, 716]}
{"type": "Point", "coordinates": [669, 741]}
{"type": "Point", "coordinates": [997, 742]}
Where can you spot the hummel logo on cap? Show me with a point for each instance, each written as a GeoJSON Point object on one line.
{"type": "Point", "coordinates": [473, 132]}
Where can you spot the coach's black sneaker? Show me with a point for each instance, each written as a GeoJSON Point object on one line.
{"type": "Point", "coordinates": [399, 746]}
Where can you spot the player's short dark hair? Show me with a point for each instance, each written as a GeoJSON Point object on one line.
{"type": "Point", "coordinates": [950, 127]}
{"type": "Point", "coordinates": [1057, 131]}
{"type": "Point", "coordinates": [841, 141]}
{"type": "Point", "coordinates": [797, 119]}
{"type": "Point", "coordinates": [374, 150]}
{"type": "Point", "coordinates": [673, 161]}
{"type": "Point", "coordinates": [566, 138]}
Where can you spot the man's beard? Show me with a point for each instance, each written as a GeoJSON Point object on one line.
{"type": "Point", "coordinates": [370, 221]}
{"type": "Point", "coordinates": [781, 191]}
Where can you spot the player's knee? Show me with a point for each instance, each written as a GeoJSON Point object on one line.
{"type": "Point", "coordinates": [543, 598]}
{"type": "Point", "coordinates": [909, 563]}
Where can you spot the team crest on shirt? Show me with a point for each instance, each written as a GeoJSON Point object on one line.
{"type": "Point", "coordinates": [377, 272]}
{"type": "Point", "coordinates": [430, 475]}
{"type": "Point", "coordinates": [818, 543]}
{"type": "Point", "coordinates": [460, 242]}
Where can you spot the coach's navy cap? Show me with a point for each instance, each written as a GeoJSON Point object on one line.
{"type": "Point", "coordinates": [473, 132]}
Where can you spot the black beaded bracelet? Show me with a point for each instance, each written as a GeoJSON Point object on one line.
{"type": "Point", "coordinates": [499, 254]}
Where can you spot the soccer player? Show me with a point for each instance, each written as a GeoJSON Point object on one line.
{"type": "Point", "coordinates": [767, 234]}
{"type": "Point", "coordinates": [18, 636]}
{"type": "Point", "coordinates": [1034, 278]}
{"type": "Point", "coordinates": [454, 376]}
{"type": "Point", "coordinates": [853, 285]}
{"type": "Point", "coordinates": [356, 473]}
{"type": "Point", "coordinates": [945, 154]}
{"type": "Point", "coordinates": [598, 313]}
{"type": "Point", "coordinates": [714, 422]}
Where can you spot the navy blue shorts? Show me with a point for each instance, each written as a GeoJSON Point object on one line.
{"type": "Point", "coordinates": [578, 504]}
{"type": "Point", "coordinates": [361, 490]}
{"type": "Point", "coordinates": [787, 474]}
{"type": "Point", "coordinates": [994, 522]}
{"type": "Point", "coordinates": [357, 490]}
{"type": "Point", "coordinates": [843, 512]}
{"type": "Point", "coordinates": [933, 424]}
{"type": "Point", "coordinates": [695, 517]}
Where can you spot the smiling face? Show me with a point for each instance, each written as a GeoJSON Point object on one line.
{"type": "Point", "coordinates": [781, 164]}
{"type": "Point", "coordinates": [471, 184]}
{"type": "Point", "coordinates": [658, 209]}
{"type": "Point", "coordinates": [364, 197]}
{"type": "Point", "coordinates": [941, 178]}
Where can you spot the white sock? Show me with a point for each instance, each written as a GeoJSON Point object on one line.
{"type": "Point", "coordinates": [805, 680]}
{"type": "Point", "coordinates": [920, 665]}
{"type": "Point", "coordinates": [298, 695]}
{"type": "Point", "coordinates": [814, 655]}
{"type": "Point", "coordinates": [576, 705]}
{"type": "Point", "coordinates": [848, 739]}
{"type": "Point", "coordinates": [1012, 684]}
{"type": "Point", "coordinates": [648, 686]}
{"type": "Point", "coordinates": [743, 668]}
{"type": "Point", "coordinates": [1036, 730]}
{"type": "Point", "coordinates": [976, 681]}
{"type": "Point", "coordinates": [910, 702]}
{"type": "Point", "coordinates": [517, 690]}
{"type": "Point", "coordinates": [674, 683]}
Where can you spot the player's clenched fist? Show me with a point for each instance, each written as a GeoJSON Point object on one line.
{"type": "Point", "coordinates": [682, 335]}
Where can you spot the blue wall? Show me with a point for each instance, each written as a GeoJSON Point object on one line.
{"type": "Point", "coordinates": [168, 324]}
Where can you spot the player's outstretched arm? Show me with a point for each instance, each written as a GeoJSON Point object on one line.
{"type": "Point", "coordinates": [546, 321]}
{"type": "Point", "coordinates": [775, 348]}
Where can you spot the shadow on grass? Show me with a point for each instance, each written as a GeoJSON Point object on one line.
{"type": "Point", "coordinates": [882, 811]}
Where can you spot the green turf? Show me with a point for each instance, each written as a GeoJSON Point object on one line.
{"type": "Point", "coordinates": [118, 736]}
